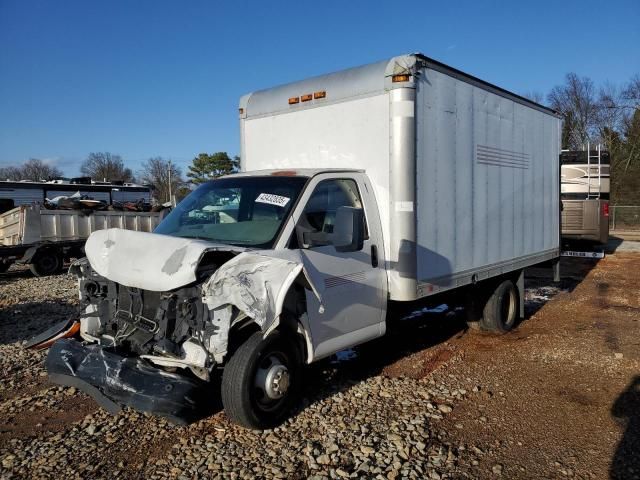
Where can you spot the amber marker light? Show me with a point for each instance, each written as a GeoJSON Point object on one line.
{"type": "Point", "coordinates": [294, 100]}
{"type": "Point", "coordinates": [320, 94]}
{"type": "Point", "coordinates": [306, 98]}
{"type": "Point", "coordinates": [400, 78]}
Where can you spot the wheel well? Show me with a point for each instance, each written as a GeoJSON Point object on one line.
{"type": "Point", "coordinates": [288, 325]}
{"type": "Point", "coordinates": [476, 295]}
{"type": "Point", "coordinates": [294, 306]}
{"type": "Point", "coordinates": [239, 334]}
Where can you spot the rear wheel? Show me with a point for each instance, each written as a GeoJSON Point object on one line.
{"type": "Point", "coordinates": [501, 310]}
{"type": "Point", "coordinates": [47, 262]}
{"type": "Point", "coordinates": [261, 381]}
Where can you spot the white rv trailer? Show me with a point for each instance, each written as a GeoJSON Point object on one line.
{"type": "Point", "coordinates": [397, 181]}
{"type": "Point", "coordinates": [585, 192]}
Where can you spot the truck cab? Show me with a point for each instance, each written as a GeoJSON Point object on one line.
{"type": "Point", "coordinates": [290, 263]}
{"type": "Point", "coordinates": [325, 219]}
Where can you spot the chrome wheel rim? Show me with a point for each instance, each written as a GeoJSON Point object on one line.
{"type": "Point", "coordinates": [272, 380]}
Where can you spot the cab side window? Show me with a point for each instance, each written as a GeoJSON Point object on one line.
{"type": "Point", "coordinates": [316, 223]}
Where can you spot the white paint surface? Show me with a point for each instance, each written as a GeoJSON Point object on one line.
{"type": "Point", "coordinates": [146, 260]}
{"type": "Point", "coordinates": [353, 134]}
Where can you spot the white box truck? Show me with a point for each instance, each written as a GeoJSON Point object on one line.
{"type": "Point", "coordinates": [388, 183]}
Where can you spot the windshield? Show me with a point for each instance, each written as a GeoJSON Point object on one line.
{"type": "Point", "coordinates": [245, 211]}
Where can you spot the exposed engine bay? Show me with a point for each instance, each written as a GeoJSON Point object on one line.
{"type": "Point", "coordinates": [172, 329]}
{"type": "Point", "coordinates": [155, 307]}
{"type": "Point", "coordinates": [185, 327]}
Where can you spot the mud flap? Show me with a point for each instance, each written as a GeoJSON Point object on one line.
{"type": "Point", "coordinates": [65, 329]}
{"type": "Point", "coordinates": [115, 381]}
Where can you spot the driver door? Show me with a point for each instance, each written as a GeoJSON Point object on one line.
{"type": "Point", "coordinates": [352, 284]}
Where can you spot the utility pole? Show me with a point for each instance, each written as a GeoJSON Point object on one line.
{"type": "Point", "coordinates": [170, 195]}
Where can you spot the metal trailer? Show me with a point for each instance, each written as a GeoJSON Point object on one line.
{"type": "Point", "coordinates": [45, 238]}
{"type": "Point", "coordinates": [466, 174]}
{"type": "Point", "coordinates": [585, 187]}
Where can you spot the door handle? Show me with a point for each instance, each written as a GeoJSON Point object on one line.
{"type": "Point", "coordinates": [374, 256]}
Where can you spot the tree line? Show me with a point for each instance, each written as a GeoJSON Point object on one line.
{"type": "Point", "coordinates": [162, 174]}
{"type": "Point", "coordinates": [609, 115]}
{"type": "Point", "coordinates": [33, 169]}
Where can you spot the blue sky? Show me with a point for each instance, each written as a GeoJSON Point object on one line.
{"type": "Point", "coordinates": [149, 77]}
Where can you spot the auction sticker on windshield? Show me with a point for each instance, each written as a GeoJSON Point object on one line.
{"type": "Point", "coordinates": [272, 199]}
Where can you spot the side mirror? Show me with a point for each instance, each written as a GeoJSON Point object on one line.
{"type": "Point", "coordinates": [348, 231]}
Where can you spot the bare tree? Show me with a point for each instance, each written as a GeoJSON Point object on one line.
{"type": "Point", "coordinates": [103, 166]}
{"type": "Point", "coordinates": [576, 101]}
{"type": "Point", "coordinates": [611, 117]}
{"type": "Point", "coordinates": [35, 169]}
{"type": "Point", "coordinates": [534, 96]}
{"type": "Point", "coordinates": [631, 92]}
{"type": "Point", "coordinates": [630, 103]}
{"type": "Point", "coordinates": [10, 173]}
{"type": "Point", "coordinates": [163, 175]}
{"type": "Point", "coordinates": [617, 106]}
{"type": "Point", "coordinates": [610, 114]}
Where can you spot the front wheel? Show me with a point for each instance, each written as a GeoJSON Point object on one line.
{"type": "Point", "coordinates": [261, 381]}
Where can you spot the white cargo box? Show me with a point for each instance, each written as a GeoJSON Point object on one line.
{"type": "Point", "coordinates": [466, 174]}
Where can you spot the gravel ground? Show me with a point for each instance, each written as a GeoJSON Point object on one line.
{"type": "Point", "coordinates": [554, 399]}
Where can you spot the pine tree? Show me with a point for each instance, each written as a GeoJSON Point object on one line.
{"type": "Point", "coordinates": [206, 167]}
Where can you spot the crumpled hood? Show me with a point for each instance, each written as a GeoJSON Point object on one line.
{"type": "Point", "coordinates": [148, 261]}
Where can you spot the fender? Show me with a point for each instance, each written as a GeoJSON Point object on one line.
{"type": "Point", "coordinates": [255, 283]}
{"type": "Point", "coordinates": [31, 252]}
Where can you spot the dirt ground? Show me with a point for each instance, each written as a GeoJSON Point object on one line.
{"type": "Point", "coordinates": [558, 397]}
{"type": "Point", "coordinates": [561, 393]}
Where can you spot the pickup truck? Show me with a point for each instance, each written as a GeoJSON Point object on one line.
{"type": "Point", "coordinates": [400, 181]}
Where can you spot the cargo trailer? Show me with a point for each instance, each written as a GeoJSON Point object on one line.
{"type": "Point", "coordinates": [393, 183]}
{"type": "Point", "coordinates": [465, 174]}
{"type": "Point", "coordinates": [584, 191]}
{"type": "Point", "coordinates": [44, 239]}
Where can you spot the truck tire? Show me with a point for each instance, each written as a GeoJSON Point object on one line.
{"type": "Point", "coordinates": [46, 262]}
{"type": "Point", "coordinates": [501, 310]}
{"type": "Point", "coordinates": [261, 381]}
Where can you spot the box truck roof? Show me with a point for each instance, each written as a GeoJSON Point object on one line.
{"type": "Point", "coordinates": [359, 82]}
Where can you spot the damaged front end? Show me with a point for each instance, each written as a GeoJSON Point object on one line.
{"type": "Point", "coordinates": [156, 317]}
{"type": "Point", "coordinates": [113, 381]}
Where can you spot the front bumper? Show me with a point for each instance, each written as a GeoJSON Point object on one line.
{"type": "Point", "coordinates": [115, 381]}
